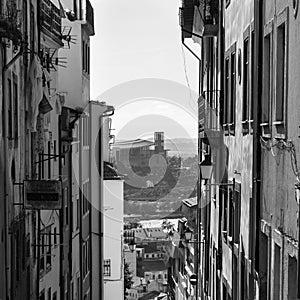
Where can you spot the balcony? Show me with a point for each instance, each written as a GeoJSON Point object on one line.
{"type": "Point", "coordinates": [210, 115]}
{"type": "Point", "coordinates": [10, 24]}
{"type": "Point", "coordinates": [50, 20]}
{"type": "Point", "coordinates": [186, 17]}
{"type": "Point", "coordinates": [89, 18]}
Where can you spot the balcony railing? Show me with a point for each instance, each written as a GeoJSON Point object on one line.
{"type": "Point", "coordinates": [209, 110]}
{"type": "Point", "coordinates": [10, 23]}
{"type": "Point", "coordinates": [186, 17]}
{"type": "Point", "coordinates": [50, 18]}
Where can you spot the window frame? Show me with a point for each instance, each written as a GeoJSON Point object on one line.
{"type": "Point", "coordinates": [107, 267]}
{"type": "Point", "coordinates": [280, 126]}
{"type": "Point", "coordinates": [246, 82]}
{"type": "Point", "coordinates": [230, 81]}
{"type": "Point", "coordinates": [267, 88]}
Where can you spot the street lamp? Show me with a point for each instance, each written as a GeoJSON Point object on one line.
{"type": "Point", "coordinates": [206, 167]}
{"type": "Point", "coordinates": [188, 234]}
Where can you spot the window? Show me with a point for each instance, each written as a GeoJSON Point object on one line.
{"type": "Point", "coordinates": [267, 65]}
{"type": "Point", "coordinates": [85, 198]}
{"type": "Point", "coordinates": [16, 108]}
{"type": "Point", "coordinates": [32, 30]}
{"type": "Point", "coordinates": [86, 257]}
{"type": "Point", "coordinates": [78, 295]}
{"type": "Point", "coordinates": [78, 213]}
{"type": "Point", "coordinates": [237, 212]}
{"type": "Point", "coordinates": [54, 236]}
{"type": "Point", "coordinates": [252, 78]}
{"type": "Point", "coordinates": [225, 209]}
{"type": "Point", "coordinates": [245, 81]}
{"type": "Point", "coordinates": [107, 267]}
{"type": "Point", "coordinates": [280, 73]}
{"type": "Point", "coordinates": [54, 296]}
{"type": "Point", "coordinates": [230, 212]}
{"type": "Point", "coordinates": [277, 272]}
{"type": "Point", "coordinates": [10, 109]}
{"type": "Point", "coordinates": [85, 131]}
{"type": "Point", "coordinates": [232, 92]}
{"type": "Point", "coordinates": [42, 295]}
{"type": "Point", "coordinates": [45, 250]}
{"type": "Point", "coordinates": [49, 294]}
{"type": "Point", "coordinates": [226, 93]}
{"type": "Point", "coordinates": [83, 56]}
{"type": "Point", "coordinates": [229, 104]}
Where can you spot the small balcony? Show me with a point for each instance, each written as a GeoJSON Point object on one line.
{"type": "Point", "coordinates": [50, 19]}
{"type": "Point", "coordinates": [89, 18]}
{"type": "Point", "coordinates": [210, 115]}
{"type": "Point", "coordinates": [10, 24]}
{"type": "Point", "coordinates": [186, 17]}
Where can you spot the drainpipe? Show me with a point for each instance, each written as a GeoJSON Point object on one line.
{"type": "Point", "coordinates": [109, 112]}
{"type": "Point", "coordinates": [256, 177]}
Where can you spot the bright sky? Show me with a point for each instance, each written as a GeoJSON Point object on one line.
{"type": "Point", "coordinates": [137, 39]}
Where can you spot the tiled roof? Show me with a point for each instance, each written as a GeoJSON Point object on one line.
{"type": "Point", "coordinates": [154, 265]}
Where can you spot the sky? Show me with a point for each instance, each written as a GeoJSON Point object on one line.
{"type": "Point", "coordinates": [138, 39]}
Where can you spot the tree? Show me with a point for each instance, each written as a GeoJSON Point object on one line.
{"type": "Point", "coordinates": [127, 279]}
{"type": "Point", "coordinates": [169, 227]}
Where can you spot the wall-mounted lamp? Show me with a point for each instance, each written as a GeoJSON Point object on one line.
{"type": "Point", "coordinates": [206, 168]}
{"type": "Point", "coordinates": [188, 234]}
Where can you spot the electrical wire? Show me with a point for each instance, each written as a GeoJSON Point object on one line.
{"type": "Point", "coordinates": [283, 145]}
{"type": "Point", "coordinates": [187, 79]}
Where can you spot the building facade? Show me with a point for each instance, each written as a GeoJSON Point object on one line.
{"type": "Point", "coordinates": [51, 133]}
{"type": "Point", "coordinates": [248, 207]}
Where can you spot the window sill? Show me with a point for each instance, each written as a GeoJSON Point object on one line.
{"type": "Point", "coordinates": [280, 130]}
{"type": "Point", "coordinates": [231, 127]}
{"type": "Point", "coordinates": [278, 123]}
{"type": "Point", "coordinates": [245, 127]}
{"type": "Point", "coordinates": [266, 130]}
{"type": "Point", "coordinates": [225, 129]}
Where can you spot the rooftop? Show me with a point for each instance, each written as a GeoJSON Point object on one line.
{"type": "Point", "coordinates": [138, 143]}
{"type": "Point", "coordinates": [190, 202]}
{"type": "Point", "coordinates": [154, 265]}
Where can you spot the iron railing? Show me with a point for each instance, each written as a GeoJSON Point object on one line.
{"type": "Point", "coordinates": [50, 18]}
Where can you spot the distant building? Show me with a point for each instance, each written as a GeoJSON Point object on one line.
{"type": "Point", "coordinates": [136, 154]}
{"type": "Point", "coordinates": [113, 266]}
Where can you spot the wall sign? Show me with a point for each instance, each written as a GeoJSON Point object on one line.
{"type": "Point", "coordinates": [42, 194]}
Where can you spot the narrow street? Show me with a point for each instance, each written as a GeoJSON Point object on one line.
{"type": "Point", "coordinates": [149, 150]}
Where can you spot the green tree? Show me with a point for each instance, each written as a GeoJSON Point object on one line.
{"type": "Point", "coordinates": [168, 226]}
{"type": "Point", "coordinates": [127, 279]}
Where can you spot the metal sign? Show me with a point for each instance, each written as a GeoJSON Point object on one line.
{"type": "Point", "coordinates": [42, 194]}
